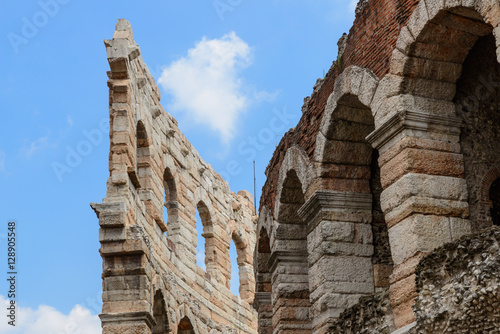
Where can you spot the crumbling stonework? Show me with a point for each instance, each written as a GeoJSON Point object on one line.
{"type": "Point", "coordinates": [151, 283]}
{"type": "Point", "coordinates": [459, 287]}
{"type": "Point", "coordinates": [372, 315]}
{"type": "Point", "coordinates": [384, 159]}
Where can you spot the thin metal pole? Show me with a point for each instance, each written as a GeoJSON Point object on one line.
{"type": "Point", "coordinates": [254, 193]}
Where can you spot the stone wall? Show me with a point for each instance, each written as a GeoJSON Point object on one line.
{"type": "Point", "coordinates": [151, 281]}
{"type": "Point", "coordinates": [478, 102]}
{"type": "Point", "coordinates": [459, 287]}
{"type": "Point", "coordinates": [369, 44]}
{"type": "Point", "coordinates": [381, 162]}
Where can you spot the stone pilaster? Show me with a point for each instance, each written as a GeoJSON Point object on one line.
{"type": "Point", "coordinates": [340, 249]}
{"type": "Point", "coordinates": [290, 292]}
{"type": "Point", "coordinates": [264, 307]}
{"type": "Point", "coordinates": [126, 271]}
{"type": "Point", "coordinates": [425, 193]}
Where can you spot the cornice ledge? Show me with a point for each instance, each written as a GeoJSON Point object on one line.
{"type": "Point", "coordinates": [329, 200]}
{"type": "Point", "coordinates": [413, 120]}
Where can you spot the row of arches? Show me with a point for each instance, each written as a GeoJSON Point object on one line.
{"type": "Point", "coordinates": [225, 260]}
{"type": "Point", "coordinates": [399, 168]}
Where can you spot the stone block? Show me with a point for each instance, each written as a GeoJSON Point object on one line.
{"type": "Point", "coordinates": [423, 185]}
{"type": "Point", "coordinates": [418, 233]}
{"type": "Point", "coordinates": [421, 162]}
{"type": "Point", "coordinates": [351, 269]}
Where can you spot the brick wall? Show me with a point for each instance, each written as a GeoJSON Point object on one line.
{"type": "Point", "coordinates": [370, 43]}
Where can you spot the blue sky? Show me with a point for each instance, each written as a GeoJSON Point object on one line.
{"type": "Point", "coordinates": [256, 60]}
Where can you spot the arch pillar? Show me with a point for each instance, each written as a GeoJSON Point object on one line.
{"type": "Point", "coordinates": [425, 194]}
{"type": "Point", "coordinates": [339, 243]}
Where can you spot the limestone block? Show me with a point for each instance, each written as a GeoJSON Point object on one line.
{"type": "Point", "coordinates": [421, 162]}
{"type": "Point", "coordinates": [402, 64]}
{"type": "Point", "coordinates": [418, 233]}
{"type": "Point", "coordinates": [351, 269]}
{"type": "Point", "coordinates": [330, 248]}
{"type": "Point", "coordinates": [418, 19]}
{"type": "Point", "coordinates": [335, 301]}
{"type": "Point", "coordinates": [405, 40]}
{"type": "Point", "coordinates": [330, 231]}
{"type": "Point", "coordinates": [426, 205]}
{"type": "Point", "coordinates": [347, 152]}
{"type": "Point", "coordinates": [423, 185]}
{"type": "Point", "coordinates": [112, 234]}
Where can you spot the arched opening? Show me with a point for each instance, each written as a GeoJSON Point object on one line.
{"type": "Point", "coordinates": [353, 250]}
{"type": "Point", "coordinates": [200, 243]}
{"type": "Point", "coordinates": [235, 272]}
{"type": "Point", "coordinates": [432, 53]}
{"type": "Point", "coordinates": [143, 157]}
{"type": "Point", "coordinates": [160, 314]}
{"type": "Point", "coordinates": [478, 104]}
{"type": "Point", "coordinates": [242, 269]}
{"type": "Point", "coordinates": [142, 136]}
{"type": "Point", "coordinates": [185, 326]}
{"type": "Point", "coordinates": [206, 252]}
{"type": "Point", "coordinates": [289, 261]}
{"type": "Point", "coordinates": [348, 151]}
{"type": "Point", "coordinates": [495, 202]}
{"type": "Point", "coordinates": [170, 201]}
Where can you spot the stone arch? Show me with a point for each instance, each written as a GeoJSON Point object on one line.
{"type": "Point", "coordinates": [425, 197]}
{"type": "Point", "coordinates": [296, 160]}
{"type": "Point", "coordinates": [216, 249]}
{"type": "Point", "coordinates": [245, 265]}
{"type": "Point", "coordinates": [347, 116]}
{"type": "Point", "coordinates": [170, 202]}
{"type": "Point", "coordinates": [346, 184]}
{"type": "Point", "coordinates": [354, 81]}
{"type": "Point", "coordinates": [207, 225]}
{"type": "Point", "coordinates": [489, 200]}
{"type": "Point", "coordinates": [160, 314]}
{"type": "Point", "coordinates": [428, 58]}
{"type": "Point", "coordinates": [489, 178]}
{"type": "Point", "coordinates": [346, 160]}
{"type": "Point", "coordinates": [143, 158]}
{"type": "Point", "coordinates": [263, 288]}
{"type": "Point", "coordinates": [289, 258]}
{"type": "Point", "coordinates": [185, 326]}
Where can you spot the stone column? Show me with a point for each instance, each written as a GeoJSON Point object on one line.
{"type": "Point", "coordinates": [425, 194]}
{"type": "Point", "coordinates": [339, 244]}
{"type": "Point", "coordinates": [262, 303]}
{"type": "Point", "coordinates": [290, 291]}
{"type": "Point", "coordinates": [126, 272]}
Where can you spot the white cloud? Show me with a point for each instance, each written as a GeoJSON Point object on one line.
{"type": "Point", "coordinates": [48, 320]}
{"type": "Point", "coordinates": [30, 147]}
{"type": "Point", "coordinates": [2, 161]}
{"type": "Point", "coordinates": [206, 85]}
{"type": "Point", "coordinates": [69, 120]}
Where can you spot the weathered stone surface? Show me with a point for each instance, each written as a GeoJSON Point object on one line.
{"type": "Point", "coordinates": [393, 83]}
{"type": "Point", "coordinates": [459, 286]}
{"type": "Point", "coordinates": [146, 253]}
{"type": "Point", "coordinates": [372, 314]}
